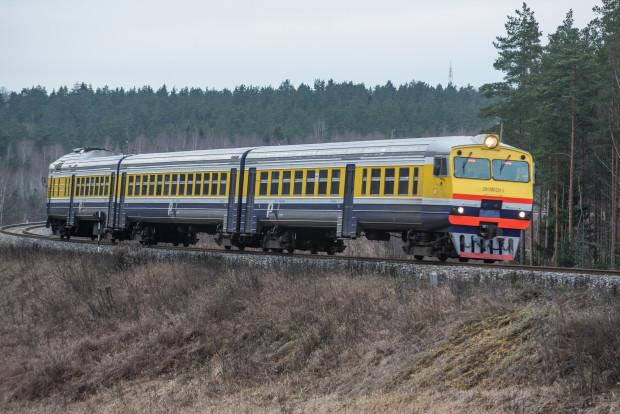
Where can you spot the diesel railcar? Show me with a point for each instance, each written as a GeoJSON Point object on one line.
{"type": "Point", "coordinates": [446, 197]}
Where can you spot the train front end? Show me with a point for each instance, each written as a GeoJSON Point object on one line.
{"type": "Point", "coordinates": [492, 195]}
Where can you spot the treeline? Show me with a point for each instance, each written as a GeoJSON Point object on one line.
{"type": "Point", "coordinates": [561, 101]}
{"type": "Point", "coordinates": [37, 127]}
{"type": "Point", "coordinates": [82, 116]}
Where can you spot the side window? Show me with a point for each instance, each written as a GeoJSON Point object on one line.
{"type": "Point", "coordinates": [159, 185]}
{"type": "Point", "coordinates": [131, 179]}
{"type": "Point", "coordinates": [414, 191]}
{"type": "Point", "coordinates": [299, 180]}
{"type": "Point", "coordinates": [145, 186]}
{"type": "Point", "coordinates": [275, 182]}
{"type": "Point", "coordinates": [214, 178]}
{"type": "Point", "coordinates": [375, 181]}
{"type": "Point", "coordinates": [167, 185]}
{"type": "Point", "coordinates": [174, 183]}
{"type": "Point", "coordinates": [182, 185]}
{"type": "Point", "coordinates": [440, 167]}
{"type": "Point", "coordinates": [323, 182]}
{"type": "Point", "coordinates": [335, 184]}
{"type": "Point", "coordinates": [310, 182]}
{"type": "Point", "coordinates": [190, 185]}
{"type": "Point", "coordinates": [137, 186]}
{"type": "Point", "coordinates": [205, 184]}
{"type": "Point", "coordinates": [388, 184]}
{"type": "Point", "coordinates": [264, 182]}
{"type": "Point", "coordinates": [223, 180]}
{"type": "Point", "coordinates": [286, 183]}
{"type": "Point", "coordinates": [403, 181]}
{"type": "Point", "coordinates": [364, 180]}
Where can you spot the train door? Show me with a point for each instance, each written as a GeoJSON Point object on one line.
{"type": "Point", "coordinates": [111, 198]}
{"type": "Point", "coordinates": [348, 221]}
{"type": "Point", "coordinates": [230, 219]}
{"type": "Point", "coordinates": [121, 203]}
{"type": "Point", "coordinates": [71, 212]}
{"type": "Point", "coordinates": [250, 218]}
{"type": "Point", "coordinates": [440, 174]}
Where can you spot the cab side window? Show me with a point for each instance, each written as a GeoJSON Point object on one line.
{"type": "Point", "coordinates": [440, 167]}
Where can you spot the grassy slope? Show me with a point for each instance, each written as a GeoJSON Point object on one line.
{"type": "Point", "coordinates": [116, 334]}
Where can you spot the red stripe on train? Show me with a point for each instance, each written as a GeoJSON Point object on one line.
{"type": "Point", "coordinates": [501, 223]}
{"type": "Point", "coordinates": [457, 196]}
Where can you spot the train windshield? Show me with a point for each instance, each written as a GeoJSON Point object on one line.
{"type": "Point", "coordinates": [467, 167]}
{"type": "Point", "coordinates": [509, 170]}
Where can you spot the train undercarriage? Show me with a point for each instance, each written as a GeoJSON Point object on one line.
{"type": "Point", "coordinates": [487, 244]}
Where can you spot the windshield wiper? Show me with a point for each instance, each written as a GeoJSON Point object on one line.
{"type": "Point", "coordinates": [466, 161]}
{"type": "Point", "coordinates": [504, 163]}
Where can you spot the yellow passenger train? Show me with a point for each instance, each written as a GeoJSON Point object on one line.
{"type": "Point", "coordinates": [460, 197]}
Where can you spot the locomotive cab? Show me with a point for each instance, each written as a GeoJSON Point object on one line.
{"type": "Point", "coordinates": [492, 195]}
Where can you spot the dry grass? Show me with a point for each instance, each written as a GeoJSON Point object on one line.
{"type": "Point", "coordinates": [120, 333]}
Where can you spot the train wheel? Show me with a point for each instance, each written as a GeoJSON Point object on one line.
{"type": "Point", "coordinates": [227, 247]}
{"type": "Point", "coordinates": [463, 259]}
{"type": "Point", "coordinates": [290, 249]}
{"type": "Point", "coordinates": [442, 257]}
{"type": "Point", "coordinates": [489, 261]}
{"type": "Point", "coordinates": [418, 257]}
{"type": "Point", "coordinates": [265, 249]}
{"type": "Point", "coordinates": [242, 248]}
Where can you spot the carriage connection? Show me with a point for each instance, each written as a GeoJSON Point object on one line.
{"type": "Point", "coordinates": [446, 197]}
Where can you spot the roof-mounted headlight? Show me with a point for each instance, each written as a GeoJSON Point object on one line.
{"type": "Point", "coordinates": [491, 141]}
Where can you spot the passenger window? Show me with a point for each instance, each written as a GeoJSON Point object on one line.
{"type": "Point", "coordinates": [286, 183]}
{"type": "Point", "coordinates": [223, 179]}
{"type": "Point", "coordinates": [166, 185]}
{"type": "Point", "coordinates": [414, 191]}
{"type": "Point", "coordinates": [190, 185]}
{"type": "Point", "coordinates": [388, 185]}
{"type": "Point", "coordinates": [181, 185]}
{"type": "Point", "coordinates": [335, 183]}
{"type": "Point", "coordinates": [299, 179]}
{"type": "Point", "coordinates": [145, 186]}
{"type": "Point", "coordinates": [174, 185]}
{"type": "Point", "coordinates": [129, 186]}
{"type": "Point", "coordinates": [159, 185]}
{"type": "Point", "coordinates": [214, 178]}
{"type": "Point", "coordinates": [364, 180]}
{"type": "Point", "coordinates": [440, 167]}
{"type": "Point", "coordinates": [205, 184]}
{"type": "Point", "coordinates": [275, 183]}
{"type": "Point", "coordinates": [403, 181]}
{"type": "Point", "coordinates": [322, 182]}
{"type": "Point", "coordinates": [375, 181]}
{"type": "Point", "coordinates": [310, 182]}
{"type": "Point", "coordinates": [82, 187]}
{"type": "Point", "coordinates": [198, 181]}
{"type": "Point", "coordinates": [264, 181]}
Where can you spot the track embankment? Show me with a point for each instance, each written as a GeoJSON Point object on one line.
{"type": "Point", "coordinates": [424, 272]}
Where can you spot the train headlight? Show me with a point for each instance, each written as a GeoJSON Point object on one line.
{"type": "Point", "coordinates": [458, 210]}
{"type": "Point", "coordinates": [491, 141]}
{"type": "Point", "coordinates": [522, 214]}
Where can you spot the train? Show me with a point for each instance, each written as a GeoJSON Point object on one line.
{"type": "Point", "coordinates": [460, 197]}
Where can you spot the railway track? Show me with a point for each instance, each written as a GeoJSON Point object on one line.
{"type": "Point", "coordinates": [39, 231]}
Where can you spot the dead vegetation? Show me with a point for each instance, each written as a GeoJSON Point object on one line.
{"type": "Point", "coordinates": [120, 333]}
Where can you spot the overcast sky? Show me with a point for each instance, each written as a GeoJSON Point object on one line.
{"type": "Point", "coordinates": [223, 44]}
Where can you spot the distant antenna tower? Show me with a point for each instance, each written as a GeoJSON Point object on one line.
{"type": "Point", "coordinates": [450, 75]}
